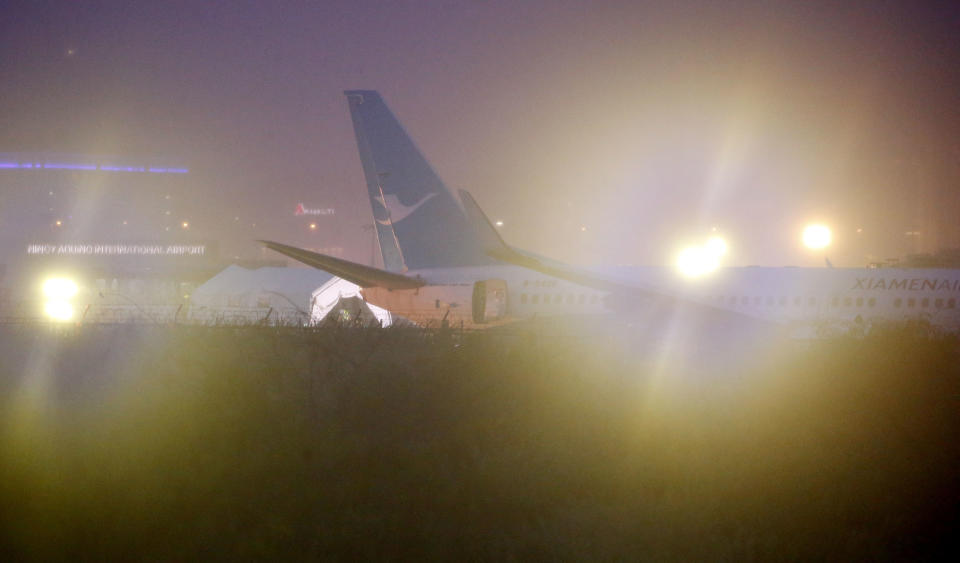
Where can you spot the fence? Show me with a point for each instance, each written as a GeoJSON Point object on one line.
{"type": "Point", "coordinates": [31, 312]}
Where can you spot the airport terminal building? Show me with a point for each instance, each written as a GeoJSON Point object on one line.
{"type": "Point", "coordinates": [141, 244]}
{"type": "Point", "coordinates": [121, 225]}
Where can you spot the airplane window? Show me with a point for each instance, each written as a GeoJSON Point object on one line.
{"type": "Point", "coordinates": [558, 299]}
{"type": "Point", "coordinates": [783, 301]}
{"type": "Point", "coordinates": [536, 298]}
{"type": "Point", "coordinates": [582, 299]}
{"type": "Point", "coordinates": [938, 303]}
{"type": "Point", "coordinates": [859, 301]}
{"type": "Point", "coordinates": [797, 301]}
{"type": "Point", "coordinates": [812, 302]}
{"type": "Point", "coordinates": [757, 300]}
{"type": "Point", "coordinates": [744, 300]}
{"type": "Point", "coordinates": [951, 303]}
{"type": "Point", "coordinates": [593, 299]}
{"type": "Point", "coordinates": [925, 302]}
{"type": "Point", "coordinates": [872, 301]}
{"type": "Point", "coordinates": [523, 298]}
{"type": "Point", "coordinates": [836, 302]}
{"type": "Point", "coordinates": [769, 301]}
{"type": "Point", "coordinates": [570, 299]}
{"type": "Point", "coordinates": [897, 302]}
{"type": "Point", "coordinates": [847, 301]}
{"type": "Point", "coordinates": [733, 300]}
{"type": "Point", "coordinates": [911, 302]}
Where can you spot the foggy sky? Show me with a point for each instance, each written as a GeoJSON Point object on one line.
{"type": "Point", "coordinates": [647, 125]}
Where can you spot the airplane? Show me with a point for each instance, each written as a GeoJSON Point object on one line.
{"type": "Point", "coordinates": [444, 262]}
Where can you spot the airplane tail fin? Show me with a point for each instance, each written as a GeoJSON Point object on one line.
{"type": "Point", "coordinates": [487, 235]}
{"type": "Point", "coordinates": [420, 224]}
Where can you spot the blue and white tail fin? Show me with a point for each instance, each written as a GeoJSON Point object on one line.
{"type": "Point", "coordinates": [420, 223]}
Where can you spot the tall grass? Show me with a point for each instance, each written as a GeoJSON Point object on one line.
{"type": "Point", "coordinates": [179, 443]}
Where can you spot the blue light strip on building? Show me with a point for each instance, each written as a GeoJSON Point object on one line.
{"type": "Point", "coordinates": [170, 170]}
{"type": "Point", "coordinates": [52, 166]}
{"type": "Point", "coordinates": [123, 168]}
{"type": "Point", "coordinates": [64, 166]}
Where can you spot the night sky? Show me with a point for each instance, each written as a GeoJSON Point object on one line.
{"type": "Point", "coordinates": [599, 132]}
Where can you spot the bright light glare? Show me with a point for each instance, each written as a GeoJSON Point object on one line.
{"type": "Point", "coordinates": [58, 310]}
{"type": "Point", "coordinates": [696, 261]}
{"type": "Point", "coordinates": [717, 246]}
{"type": "Point", "coordinates": [816, 236]}
{"type": "Point", "coordinates": [60, 288]}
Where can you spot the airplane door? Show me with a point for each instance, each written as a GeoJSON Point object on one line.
{"type": "Point", "coordinates": [489, 300]}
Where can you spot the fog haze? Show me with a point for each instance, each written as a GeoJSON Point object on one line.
{"type": "Point", "coordinates": [597, 132]}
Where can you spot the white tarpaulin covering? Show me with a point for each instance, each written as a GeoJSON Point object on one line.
{"type": "Point", "coordinates": [326, 298]}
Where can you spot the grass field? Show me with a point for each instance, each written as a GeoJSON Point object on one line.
{"type": "Point", "coordinates": [173, 443]}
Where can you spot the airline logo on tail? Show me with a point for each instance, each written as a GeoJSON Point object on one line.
{"type": "Point", "coordinates": [397, 211]}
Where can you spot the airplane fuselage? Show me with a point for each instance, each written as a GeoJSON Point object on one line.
{"type": "Point", "coordinates": [793, 296]}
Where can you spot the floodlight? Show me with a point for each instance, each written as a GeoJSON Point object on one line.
{"type": "Point", "coordinates": [816, 236]}
{"type": "Point", "coordinates": [696, 261]}
{"type": "Point", "coordinates": [60, 288]}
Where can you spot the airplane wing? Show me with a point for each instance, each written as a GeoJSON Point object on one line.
{"type": "Point", "coordinates": [364, 276]}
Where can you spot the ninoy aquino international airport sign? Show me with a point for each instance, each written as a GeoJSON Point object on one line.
{"type": "Point", "coordinates": [116, 249]}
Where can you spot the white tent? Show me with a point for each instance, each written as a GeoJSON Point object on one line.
{"type": "Point", "coordinates": [327, 297]}
{"type": "Point", "coordinates": [239, 294]}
